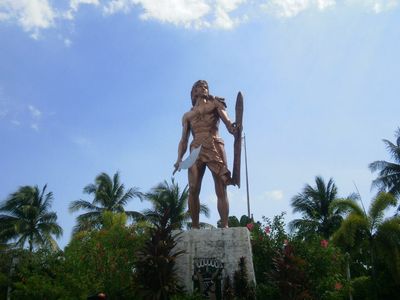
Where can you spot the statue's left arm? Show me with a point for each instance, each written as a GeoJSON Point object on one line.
{"type": "Point", "coordinates": [221, 108]}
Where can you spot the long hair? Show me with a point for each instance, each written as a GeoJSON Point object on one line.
{"type": "Point", "coordinates": [197, 83]}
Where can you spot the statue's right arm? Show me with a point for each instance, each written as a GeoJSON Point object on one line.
{"type": "Point", "coordinates": [183, 143]}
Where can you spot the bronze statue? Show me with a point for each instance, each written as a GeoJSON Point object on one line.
{"type": "Point", "coordinates": [203, 122]}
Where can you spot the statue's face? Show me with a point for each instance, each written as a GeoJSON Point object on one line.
{"type": "Point", "coordinates": [201, 90]}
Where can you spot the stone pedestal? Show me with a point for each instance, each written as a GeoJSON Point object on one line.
{"type": "Point", "coordinates": [219, 249]}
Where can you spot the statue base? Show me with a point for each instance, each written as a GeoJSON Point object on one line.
{"type": "Point", "coordinates": [210, 256]}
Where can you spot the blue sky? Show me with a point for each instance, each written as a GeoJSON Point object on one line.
{"type": "Point", "coordinates": [91, 86]}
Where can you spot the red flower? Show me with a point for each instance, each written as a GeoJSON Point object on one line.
{"type": "Point", "coordinates": [338, 286]}
{"type": "Point", "coordinates": [324, 243]}
{"type": "Point", "coordinates": [250, 226]}
{"type": "Point", "coordinates": [267, 230]}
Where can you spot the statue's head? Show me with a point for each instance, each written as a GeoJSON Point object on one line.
{"type": "Point", "coordinates": [200, 88]}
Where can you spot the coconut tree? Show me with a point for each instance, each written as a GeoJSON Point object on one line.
{"type": "Point", "coordinates": [169, 200]}
{"type": "Point", "coordinates": [389, 172]}
{"type": "Point", "coordinates": [315, 205]}
{"type": "Point", "coordinates": [369, 232]}
{"type": "Point", "coordinates": [388, 179]}
{"type": "Point", "coordinates": [108, 195]}
{"type": "Point", "coordinates": [26, 218]}
{"type": "Point", "coordinates": [155, 267]}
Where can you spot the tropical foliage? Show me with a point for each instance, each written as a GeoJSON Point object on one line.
{"type": "Point", "coordinates": [103, 260]}
{"type": "Point", "coordinates": [26, 218]}
{"type": "Point", "coordinates": [108, 195]}
{"type": "Point", "coordinates": [315, 205]}
{"type": "Point", "coordinates": [370, 233]}
{"type": "Point", "coordinates": [167, 199]}
{"type": "Point", "coordinates": [157, 259]}
{"type": "Point", "coordinates": [287, 267]}
{"type": "Point", "coordinates": [96, 261]}
{"type": "Point", "coordinates": [336, 250]}
{"type": "Point", "coordinates": [389, 172]}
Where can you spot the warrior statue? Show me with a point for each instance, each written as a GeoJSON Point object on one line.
{"type": "Point", "coordinates": [207, 149]}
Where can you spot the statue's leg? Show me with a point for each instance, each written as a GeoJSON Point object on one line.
{"type": "Point", "coordinates": [222, 196]}
{"type": "Point", "coordinates": [196, 173]}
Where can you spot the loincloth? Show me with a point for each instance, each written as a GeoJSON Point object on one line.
{"type": "Point", "coordinates": [212, 154]}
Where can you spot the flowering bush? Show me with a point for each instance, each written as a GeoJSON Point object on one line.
{"type": "Point", "coordinates": [287, 267]}
{"type": "Point", "coordinates": [250, 226]}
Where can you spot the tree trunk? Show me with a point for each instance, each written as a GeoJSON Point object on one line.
{"type": "Point", "coordinates": [347, 255]}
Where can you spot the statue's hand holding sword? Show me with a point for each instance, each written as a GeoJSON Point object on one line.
{"type": "Point", "coordinates": [189, 161]}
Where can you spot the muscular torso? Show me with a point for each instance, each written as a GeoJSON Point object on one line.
{"type": "Point", "coordinates": [203, 120]}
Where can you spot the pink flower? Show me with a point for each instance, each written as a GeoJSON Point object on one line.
{"type": "Point", "coordinates": [250, 226]}
{"type": "Point", "coordinates": [338, 286]}
{"type": "Point", "coordinates": [324, 243]}
{"type": "Point", "coordinates": [267, 230]}
{"type": "Point", "coordinates": [285, 242]}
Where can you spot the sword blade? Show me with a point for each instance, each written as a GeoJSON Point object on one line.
{"type": "Point", "coordinates": [191, 159]}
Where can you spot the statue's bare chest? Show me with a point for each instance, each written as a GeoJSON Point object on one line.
{"type": "Point", "coordinates": [204, 114]}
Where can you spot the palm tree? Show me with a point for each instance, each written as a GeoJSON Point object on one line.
{"type": "Point", "coordinates": [27, 218]}
{"type": "Point", "coordinates": [318, 213]}
{"type": "Point", "coordinates": [389, 172]}
{"type": "Point", "coordinates": [371, 230]}
{"type": "Point", "coordinates": [169, 205]}
{"type": "Point", "coordinates": [109, 195]}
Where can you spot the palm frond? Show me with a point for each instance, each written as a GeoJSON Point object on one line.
{"type": "Point", "coordinates": [21, 197]}
{"type": "Point", "coordinates": [82, 204]}
{"type": "Point", "coordinates": [303, 225]}
{"type": "Point", "coordinates": [52, 244]}
{"type": "Point", "coordinates": [393, 149]}
{"type": "Point", "coordinates": [7, 228]}
{"type": "Point", "coordinates": [304, 205]}
{"type": "Point", "coordinates": [47, 217]}
{"type": "Point", "coordinates": [204, 210]}
{"type": "Point", "coordinates": [51, 228]}
{"type": "Point", "coordinates": [90, 189]}
{"type": "Point", "coordinates": [381, 202]}
{"type": "Point", "coordinates": [134, 215]}
{"type": "Point", "coordinates": [346, 234]}
{"type": "Point", "coordinates": [388, 233]}
{"type": "Point", "coordinates": [348, 205]}
{"type": "Point", "coordinates": [87, 221]}
{"type": "Point", "coordinates": [130, 194]}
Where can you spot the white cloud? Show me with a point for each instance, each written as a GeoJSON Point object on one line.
{"type": "Point", "coordinates": [31, 15]}
{"type": "Point", "coordinates": [286, 8]}
{"type": "Point", "coordinates": [74, 7]}
{"type": "Point", "coordinates": [379, 6]}
{"type": "Point", "coordinates": [35, 126]}
{"type": "Point", "coordinates": [376, 6]}
{"type": "Point", "coordinates": [115, 6]}
{"type": "Point", "coordinates": [16, 122]}
{"type": "Point", "coordinates": [74, 4]}
{"type": "Point", "coordinates": [36, 15]}
{"type": "Point", "coordinates": [274, 195]}
{"type": "Point", "coordinates": [222, 10]}
{"type": "Point", "coordinates": [4, 16]}
{"type": "Point", "coordinates": [291, 8]}
{"type": "Point", "coordinates": [67, 42]}
{"type": "Point", "coordinates": [188, 13]}
{"type": "Point", "coordinates": [324, 4]}
{"type": "Point", "coordinates": [35, 113]}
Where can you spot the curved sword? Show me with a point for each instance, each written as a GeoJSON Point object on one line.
{"type": "Point", "coordinates": [189, 161]}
